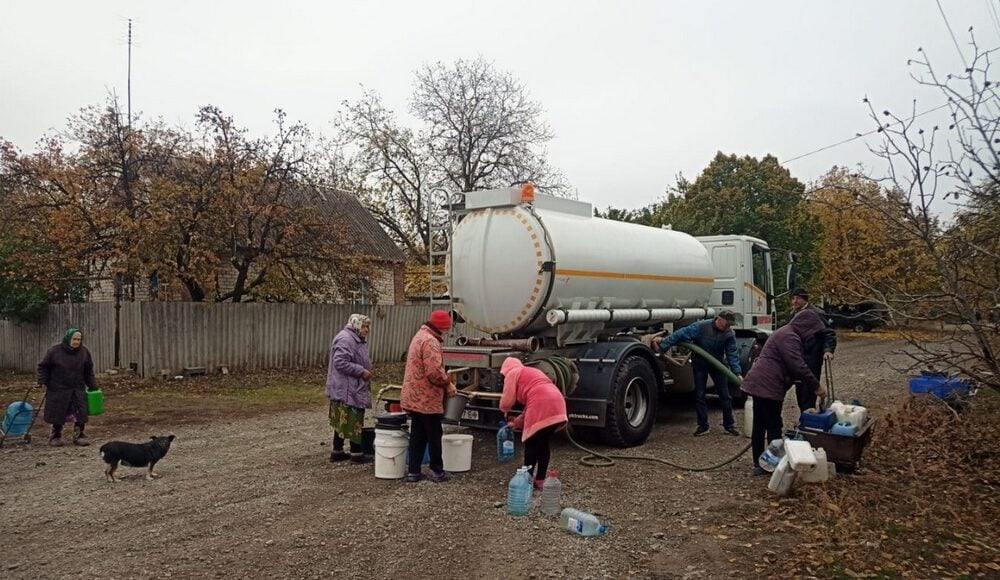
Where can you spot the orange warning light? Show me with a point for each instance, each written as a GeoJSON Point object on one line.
{"type": "Point", "coordinates": [528, 192]}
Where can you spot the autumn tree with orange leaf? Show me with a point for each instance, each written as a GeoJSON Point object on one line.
{"type": "Point", "coordinates": [861, 253]}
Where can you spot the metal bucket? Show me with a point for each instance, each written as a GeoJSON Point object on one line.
{"type": "Point", "coordinates": [455, 406]}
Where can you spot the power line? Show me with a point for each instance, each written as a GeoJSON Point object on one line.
{"type": "Point", "coordinates": [953, 39]}
{"type": "Point", "coordinates": [994, 17]}
{"type": "Point", "coordinates": [858, 136]}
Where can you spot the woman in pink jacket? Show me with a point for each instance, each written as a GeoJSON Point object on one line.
{"type": "Point", "coordinates": [544, 412]}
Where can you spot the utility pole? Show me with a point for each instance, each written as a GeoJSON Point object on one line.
{"type": "Point", "coordinates": [119, 281]}
{"type": "Point", "coordinates": [129, 87]}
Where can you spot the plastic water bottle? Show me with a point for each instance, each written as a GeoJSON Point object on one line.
{"type": "Point", "coordinates": [771, 456]}
{"type": "Point", "coordinates": [551, 492]}
{"type": "Point", "coordinates": [505, 443]}
{"type": "Point", "coordinates": [582, 523]}
{"type": "Point", "coordinates": [519, 493]}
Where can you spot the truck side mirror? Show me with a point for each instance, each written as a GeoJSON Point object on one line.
{"type": "Point", "coordinates": [791, 274]}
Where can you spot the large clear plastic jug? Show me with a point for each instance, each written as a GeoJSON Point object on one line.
{"type": "Point", "coordinates": [551, 492]}
{"type": "Point", "coordinates": [519, 493]}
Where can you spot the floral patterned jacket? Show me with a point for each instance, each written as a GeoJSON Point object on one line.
{"type": "Point", "coordinates": [425, 382]}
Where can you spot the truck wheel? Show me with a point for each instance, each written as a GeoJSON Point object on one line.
{"type": "Point", "coordinates": [632, 404]}
{"type": "Point", "coordinates": [861, 327]}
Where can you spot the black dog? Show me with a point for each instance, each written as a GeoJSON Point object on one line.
{"type": "Point", "coordinates": [134, 454]}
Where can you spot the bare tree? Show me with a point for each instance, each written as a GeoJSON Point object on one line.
{"type": "Point", "coordinates": [480, 130]}
{"type": "Point", "coordinates": [389, 169]}
{"type": "Point", "coordinates": [959, 162]}
{"type": "Point", "coordinates": [270, 229]}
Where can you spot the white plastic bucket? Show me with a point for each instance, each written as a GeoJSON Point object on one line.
{"type": "Point", "coordinates": [390, 453]}
{"type": "Point", "coordinates": [456, 450]}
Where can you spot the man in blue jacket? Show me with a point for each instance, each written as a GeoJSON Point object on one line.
{"type": "Point", "coordinates": [719, 340]}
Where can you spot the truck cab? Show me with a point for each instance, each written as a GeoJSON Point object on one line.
{"type": "Point", "coordinates": [743, 285]}
{"type": "Point", "coordinates": [742, 267]}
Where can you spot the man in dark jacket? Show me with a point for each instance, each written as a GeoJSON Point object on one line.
{"type": "Point", "coordinates": [818, 348]}
{"type": "Point", "coordinates": [716, 337]}
{"type": "Point", "coordinates": [64, 371]}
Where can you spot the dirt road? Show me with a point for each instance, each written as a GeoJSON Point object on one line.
{"type": "Point", "coordinates": [258, 498]}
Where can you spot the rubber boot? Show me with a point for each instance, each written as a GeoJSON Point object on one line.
{"type": "Point", "coordinates": [55, 440]}
{"type": "Point", "coordinates": [79, 437]}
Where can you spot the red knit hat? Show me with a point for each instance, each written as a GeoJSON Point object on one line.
{"type": "Point", "coordinates": [440, 319]}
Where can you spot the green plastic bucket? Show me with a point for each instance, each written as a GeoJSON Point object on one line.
{"type": "Point", "coordinates": [95, 402]}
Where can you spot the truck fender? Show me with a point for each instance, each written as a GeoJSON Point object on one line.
{"type": "Point", "coordinates": [598, 363]}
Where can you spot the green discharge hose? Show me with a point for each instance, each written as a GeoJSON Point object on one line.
{"type": "Point", "coordinates": [595, 459]}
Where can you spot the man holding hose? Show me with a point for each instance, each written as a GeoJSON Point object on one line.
{"type": "Point", "coordinates": [718, 339]}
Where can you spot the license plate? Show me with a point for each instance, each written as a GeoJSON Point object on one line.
{"type": "Point", "coordinates": [470, 414]}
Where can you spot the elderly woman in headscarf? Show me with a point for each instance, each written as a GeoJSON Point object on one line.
{"type": "Point", "coordinates": [66, 369]}
{"type": "Point", "coordinates": [348, 385]}
{"type": "Point", "coordinates": [544, 412]}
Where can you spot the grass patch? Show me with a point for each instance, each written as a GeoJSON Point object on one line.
{"type": "Point", "coordinates": [137, 402]}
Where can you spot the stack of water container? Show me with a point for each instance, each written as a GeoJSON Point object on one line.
{"type": "Point", "coordinates": [519, 493]}
{"type": "Point", "coordinates": [838, 419]}
{"type": "Point", "coordinates": [850, 418]}
{"type": "Point", "coordinates": [791, 460]}
{"type": "Point", "coordinates": [842, 430]}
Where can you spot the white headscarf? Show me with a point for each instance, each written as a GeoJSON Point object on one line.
{"type": "Point", "coordinates": [356, 321]}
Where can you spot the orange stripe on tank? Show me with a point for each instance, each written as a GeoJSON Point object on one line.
{"type": "Point", "coordinates": [632, 276]}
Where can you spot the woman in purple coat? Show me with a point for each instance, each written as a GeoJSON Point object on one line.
{"type": "Point", "coordinates": [780, 364]}
{"type": "Point", "coordinates": [348, 385]}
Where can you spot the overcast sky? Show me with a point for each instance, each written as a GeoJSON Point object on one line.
{"type": "Point", "coordinates": [635, 91]}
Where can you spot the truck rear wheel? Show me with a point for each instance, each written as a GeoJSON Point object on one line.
{"type": "Point", "coordinates": [632, 404]}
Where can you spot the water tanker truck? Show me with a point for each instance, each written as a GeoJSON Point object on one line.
{"type": "Point", "coordinates": [581, 297]}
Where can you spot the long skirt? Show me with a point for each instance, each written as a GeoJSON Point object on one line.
{"type": "Point", "coordinates": [347, 420]}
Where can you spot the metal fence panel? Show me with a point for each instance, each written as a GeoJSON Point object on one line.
{"type": "Point", "coordinates": [174, 335]}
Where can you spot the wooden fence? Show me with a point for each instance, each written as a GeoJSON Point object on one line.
{"type": "Point", "coordinates": [157, 336]}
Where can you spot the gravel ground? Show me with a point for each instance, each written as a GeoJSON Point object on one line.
{"type": "Point", "coordinates": [258, 498]}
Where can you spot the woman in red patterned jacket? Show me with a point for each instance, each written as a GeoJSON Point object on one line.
{"type": "Point", "coordinates": [425, 386]}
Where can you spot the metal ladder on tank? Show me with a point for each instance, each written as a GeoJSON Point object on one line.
{"type": "Point", "coordinates": [441, 220]}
